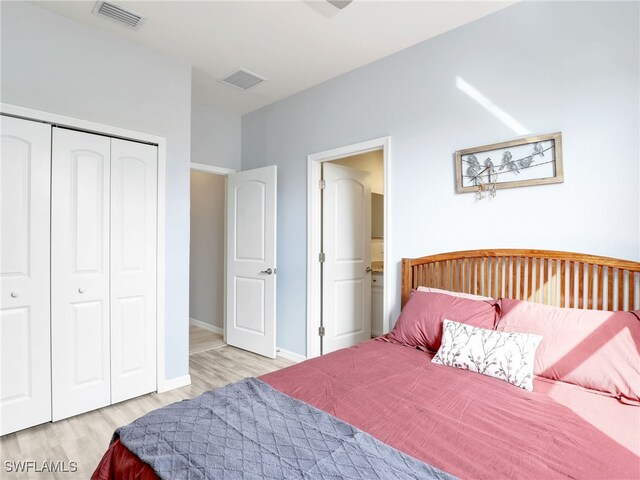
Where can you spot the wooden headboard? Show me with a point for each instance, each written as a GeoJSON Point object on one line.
{"type": "Point", "coordinates": [563, 279]}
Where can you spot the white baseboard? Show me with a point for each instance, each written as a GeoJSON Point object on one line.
{"type": "Point", "coordinates": [173, 383]}
{"type": "Point", "coordinates": [206, 326]}
{"type": "Point", "coordinates": [296, 357]}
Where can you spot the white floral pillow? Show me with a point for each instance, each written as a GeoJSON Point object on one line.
{"type": "Point", "coordinates": [507, 356]}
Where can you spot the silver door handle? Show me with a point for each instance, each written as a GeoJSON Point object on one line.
{"type": "Point", "coordinates": [81, 290]}
{"type": "Point", "coordinates": [14, 294]}
{"type": "Point", "coordinates": [368, 269]}
{"type": "Point", "coordinates": [268, 271]}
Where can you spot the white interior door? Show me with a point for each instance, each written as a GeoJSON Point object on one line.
{"type": "Point", "coordinates": [133, 268]}
{"type": "Point", "coordinates": [251, 261]}
{"type": "Point", "coordinates": [25, 167]}
{"type": "Point", "coordinates": [80, 272]}
{"type": "Point", "coordinates": [346, 243]}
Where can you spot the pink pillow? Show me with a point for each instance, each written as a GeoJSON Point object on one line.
{"type": "Point", "coordinates": [420, 322]}
{"type": "Point", "coordinates": [470, 296]}
{"type": "Point", "coordinates": [594, 349]}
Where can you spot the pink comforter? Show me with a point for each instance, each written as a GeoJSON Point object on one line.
{"type": "Point", "coordinates": [467, 424]}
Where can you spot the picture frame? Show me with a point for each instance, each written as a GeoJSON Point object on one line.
{"type": "Point", "coordinates": [535, 160]}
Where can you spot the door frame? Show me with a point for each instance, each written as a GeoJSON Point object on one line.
{"type": "Point", "coordinates": [162, 384]}
{"type": "Point", "coordinates": [203, 167]}
{"type": "Point", "coordinates": [314, 223]}
{"type": "Point", "coordinates": [224, 172]}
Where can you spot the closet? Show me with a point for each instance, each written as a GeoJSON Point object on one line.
{"type": "Point", "coordinates": [78, 272]}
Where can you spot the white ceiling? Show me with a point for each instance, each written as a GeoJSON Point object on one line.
{"type": "Point", "coordinates": [295, 44]}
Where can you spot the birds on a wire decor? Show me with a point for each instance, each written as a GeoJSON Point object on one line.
{"type": "Point", "coordinates": [502, 167]}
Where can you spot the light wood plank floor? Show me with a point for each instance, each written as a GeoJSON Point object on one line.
{"type": "Point", "coordinates": [201, 340]}
{"type": "Point", "coordinates": [85, 438]}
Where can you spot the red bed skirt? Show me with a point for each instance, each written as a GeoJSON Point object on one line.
{"type": "Point", "coordinates": [118, 463]}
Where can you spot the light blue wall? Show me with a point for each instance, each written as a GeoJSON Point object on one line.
{"type": "Point", "coordinates": [564, 66]}
{"type": "Point", "coordinates": [57, 65]}
{"type": "Point", "coordinates": [215, 137]}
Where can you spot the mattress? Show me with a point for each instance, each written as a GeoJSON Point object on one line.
{"type": "Point", "coordinates": [461, 422]}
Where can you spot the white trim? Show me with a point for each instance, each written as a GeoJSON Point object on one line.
{"type": "Point", "coordinates": [295, 357]}
{"type": "Point", "coordinates": [160, 281]}
{"type": "Point", "coordinates": [201, 167]}
{"type": "Point", "coordinates": [313, 232]}
{"type": "Point", "coordinates": [206, 326]}
{"type": "Point", "coordinates": [174, 383]}
{"type": "Point", "coordinates": [85, 125]}
{"type": "Point", "coordinates": [161, 142]}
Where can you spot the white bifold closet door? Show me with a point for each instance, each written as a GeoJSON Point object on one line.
{"type": "Point", "coordinates": [25, 376]}
{"type": "Point", "coordinates": [103, 271]}
{"type": "Point", "coordinates": [133, 268]}
{"type": "Point", "coordinates": [80, 272]}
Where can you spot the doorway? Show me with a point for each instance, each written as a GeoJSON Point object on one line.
{"type": "Point", "coordinates": [347, 217]}
{"type": "Point", "coordinates": [207, 257]}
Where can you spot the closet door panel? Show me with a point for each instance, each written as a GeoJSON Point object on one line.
{"type": "Point", "coordinates": [25, 380]}
{"type": "Point", "coordinates": [80, 272]}
{"type": "Point", "coordinates": [133, 269]}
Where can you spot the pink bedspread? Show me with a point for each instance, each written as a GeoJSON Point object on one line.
{"type": "Point", "coordinates": [467, 424]}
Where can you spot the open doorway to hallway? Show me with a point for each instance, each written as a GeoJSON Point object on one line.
{"type": "Point", "coordinates": [206, 258]}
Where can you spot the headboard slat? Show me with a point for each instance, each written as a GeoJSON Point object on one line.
{"type": "Point", "coordinates": [530, 280]}
{"type": "Point", "coordinates": [521, 269]}
{"type": "Point", "coordinates": [446, 272]}
{"type": "Point", "coordinates": [572, 270]}
{"type": "Point", "coordinates": [498, 277]}
{"type": "Point", "coordinates": [580, 285]}
{"type": "Point", "coordinates": [599, 279]}
{"type": "Point", "coordinates": [556, 278]}
{"type": "Point", "coordinates": [555, 285]}
{"type": "Point", "coordinates": [620, 304]}
{"type": "Point", "coordinates": [593, 295]}
{"type": "Point", "coordinates": [512, 281]}
{"type": "Point", "coordinates": [610, 280]}
{"type": "Point", "coordinates": [543, 285]}
{"type": "Point", "coordinates": [563, 283]}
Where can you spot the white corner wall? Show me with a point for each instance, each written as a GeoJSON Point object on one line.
{"type": "Point", "coordinates": [552, 66]}
{"type": "Point", "coordinates": [215, 137]}
{"type": "Point", "coordinates": [51, 63]}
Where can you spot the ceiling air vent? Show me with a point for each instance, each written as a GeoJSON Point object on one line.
{"type": "Point", "coordinates": [118, 14]}
{"type": "Point", "coordinates": [339, 3]}
{"type": "Point", "coordinates": [243, 79]}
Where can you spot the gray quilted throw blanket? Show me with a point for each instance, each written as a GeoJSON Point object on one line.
{"type": "Point", "coordinates": [250, 430]}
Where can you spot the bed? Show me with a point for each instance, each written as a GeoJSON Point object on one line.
{"type": "Point", "coordinates": [460, 422]}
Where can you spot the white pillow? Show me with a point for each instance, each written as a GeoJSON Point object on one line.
{"type": "Point", "coordinates": [507, 356]}
{"type": "Point", "coordinates": [470, 296]}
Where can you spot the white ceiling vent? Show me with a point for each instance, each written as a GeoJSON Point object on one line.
{"type": "Point", "coordinates": [243, 79]}
{"type": "Point", "coordinates": [118, 14]}
{"type": "Point", "coordinates": [339, 3]}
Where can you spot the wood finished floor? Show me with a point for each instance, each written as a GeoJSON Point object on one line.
{"type": "Point", "coordinates": [85, 438]}
{"type": "Point", "coordinates": [201, 340]}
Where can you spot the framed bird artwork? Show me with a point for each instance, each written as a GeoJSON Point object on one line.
{"type": "Point", "coordinates": [517, 163]}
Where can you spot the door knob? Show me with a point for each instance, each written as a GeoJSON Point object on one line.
{"type": "Point", "coordinates": [268, 271]}
{"type": "Point", "coordinates": [368, 269]}
{"type": "Point", "coordinates": [14, 294]}
{"type": "Point", "coordinates": [81, 290]}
